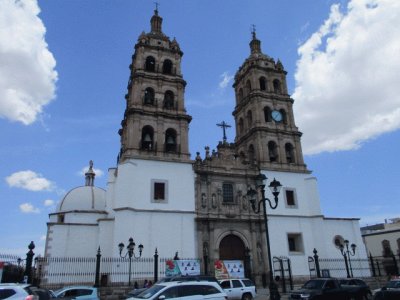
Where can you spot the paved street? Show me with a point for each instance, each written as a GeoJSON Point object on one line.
{"type": "Point", "coordinates": [262, 294]}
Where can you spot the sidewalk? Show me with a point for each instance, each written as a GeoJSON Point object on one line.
{"type": "Point", "coordinates": [263, 294]}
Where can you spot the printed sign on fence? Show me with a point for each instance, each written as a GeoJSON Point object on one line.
{"type": "Point", "coordinates": [229, 269]}
{"type": "Point", "coordinates": [182, 267]}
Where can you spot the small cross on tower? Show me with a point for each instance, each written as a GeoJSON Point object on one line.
{"type": "Point", "coordinates": [224, 125]}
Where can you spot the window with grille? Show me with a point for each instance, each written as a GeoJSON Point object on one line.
{"type": "Point", "coordinates": [295, 242]}
{"type": "Point", "coordinates": [227, 193]}
{"type": "Point", "coordinates": [159, 191]}
{"type": "Point", "coordinates": [290, 198]}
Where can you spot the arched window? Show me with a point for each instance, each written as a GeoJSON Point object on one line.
{"type": "Point", "coordinates": [170, 140]}
{"type": "Point", "coordinates": [249, 118]}
{"type": "Point", "coordinates": [267, 114]}
{"type": "Point", "coordinates": [272, 151]}
{"type": "Point", "coordinates": [251, 154]}
{"type": "Point", "coordinates": [289, 153]}
{"type": "Point", "coordinates": [248, 87]}
{"type": "Point", "coordinates": [240, 94]}
{"type": "Point", "coordinates": [241, 126]}
{"type": "Point", "coordinates": [277, 86]}
{"type": "Point", "coordinates": [167, 67]}
{"type": "Point", "coordinates": [147, 138]}
{"type": "Point", "coordinates": [386, 249]}
{"type": "Point", "coordinates": [284, 116]}
{"type": "Point", "coordinates": [263, 85]}
{"type": "Point", "coordinates": [168, 100]}
{"type": "Point", "coordinates": [149, 96]}
{"type": "Point", "coordinates": [150, 64]}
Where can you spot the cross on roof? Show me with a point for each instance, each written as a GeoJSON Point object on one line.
{"type": "Point", "coordinates": [224, 125]}
{"type": "Point", "coordinates": [253, 30]}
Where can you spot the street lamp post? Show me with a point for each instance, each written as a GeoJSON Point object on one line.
{"type": "Point", "coordinates": [275, 188]}
{"type": "Point", "coordinates": [344, 250]}
{"type": "Point", "coordinates": [130, 253]}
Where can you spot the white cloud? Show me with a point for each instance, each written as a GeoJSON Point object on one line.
{"type": "Point", "coordinates": [347, 89]}
{"type": "Point", "coordinates": [27, 72]}
{"type": "Point", "coordinates": [29, 180]}
{"type": "Point", "coordinates": [28, 208]}
{"type": "Point", "coordinates": [225, 79]}
{"type": "Point", "coordinates": [48, 202]}
{"type": "Point", "coordinates": [84, 170]}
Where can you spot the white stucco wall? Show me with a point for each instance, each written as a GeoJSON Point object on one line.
{"type": "Point", "coordinates": [72, 240]}
{"type": "Point", "coordinates": [134, 184]}
{"type": "Point", "coordinates": [373, 241]}
{"type": "Point", "coordinates": [168, 225]}
{"type": "Point", "coordinates": [306, 193]}
{"type": "Point", "coordinates": [316, 232]}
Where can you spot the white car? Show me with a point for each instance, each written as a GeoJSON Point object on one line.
{"type": "Point", "coordinates": [239, 289]}
{"type": "Point", "coordinates": [183, 290]}
{"type": "Point", "coordinates": [77, 292]}
{"type": "Point", "coordinates": [393, 284]}
{"type": "Point", "coordinates": [17, 291]}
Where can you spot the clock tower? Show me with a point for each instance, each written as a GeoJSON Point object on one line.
{"type": "Point", "coordinates": [266, 133]}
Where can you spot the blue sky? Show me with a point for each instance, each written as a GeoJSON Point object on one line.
{"type": "Point", "coordinates": [64, 73]}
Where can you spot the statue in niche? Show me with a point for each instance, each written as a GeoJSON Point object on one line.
{"type": "Point", "coordinates": [205, 249]}
{"type": "Point", "coordinates": [238, 197]}
{"type": "Point", "coordinates": [214, 200]}
{"type": "Point", "coordinates": [203, 200]}
{"type": "Point", "coordinates": [244, 202]}
{"type": "Point", "coordinates": [259, 253]}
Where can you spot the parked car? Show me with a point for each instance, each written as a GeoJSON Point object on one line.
{"type": "Point", "coordinates": [16, 291]}
{"type": "Point", "coordinates": [196, 290]}
{"type": "Point", "coordinates": [189, 278]}
{"type": "Point", "coordinates": [135, 292]}
{"type": "Point", "coordinates": [242, 289]}
{"type": "Point", "coordinates": [326, 289]}
{"type": "Point", "coordinates": [77, 292]}
{"type": "Point", "coordinates": [44, 294]}
{"type": "Point", "coordinates": [384, 294]}
{"type": "Point", "coordinates": [393, 284]}
{"type": "Point", "coordinates": [364, 289]}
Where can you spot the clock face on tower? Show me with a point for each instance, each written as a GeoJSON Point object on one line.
{"type": "Point", "coordinates": [276, 115]}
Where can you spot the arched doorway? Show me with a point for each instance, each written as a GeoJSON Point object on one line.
{"type": "Point", "coordinates": [231, 248]}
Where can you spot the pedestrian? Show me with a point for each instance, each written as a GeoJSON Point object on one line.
{"type": "Point", "coordinates": [146, 283]}
{"type": "Point", "coordinates": [135, 285]}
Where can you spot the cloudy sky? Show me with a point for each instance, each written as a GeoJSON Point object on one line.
{"type": "Point", "coordinates": [64, 72]}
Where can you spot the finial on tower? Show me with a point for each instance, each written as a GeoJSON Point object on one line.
{"type": "Point", "coordinates": [255, 44]}
{"type": "Point", "coordinates": [253, 31]}
{"type": "Point", "coordinates": [156, 21]}
{"type": "Point", "coordinates": [156, 11]}
{"type": "Point", "coordinates": [89, 175]}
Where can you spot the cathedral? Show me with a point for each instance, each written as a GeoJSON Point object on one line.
{"type": "Point", "coordinates": [162, 198]}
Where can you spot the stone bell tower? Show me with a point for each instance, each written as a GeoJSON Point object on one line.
{"type": "Point", "coordinates": [266, 133]}
{"type": "Point", "coordinates": [155, 124]}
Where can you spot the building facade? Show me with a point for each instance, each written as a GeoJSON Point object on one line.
{"type": "Point", "coordinates": [163, 199]}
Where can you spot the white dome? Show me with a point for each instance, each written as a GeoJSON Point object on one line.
{"type": "Point", "coordinates": [84, 198]}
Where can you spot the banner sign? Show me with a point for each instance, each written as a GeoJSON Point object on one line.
{"type": "Point", "coordinates": [182, 267]}
{"type": "Point", "coordinates": [229, 269]}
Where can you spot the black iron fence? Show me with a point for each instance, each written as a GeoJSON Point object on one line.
{"type": "Point", "coordinates": [13, 268]}
{"type": "Point", "coordinates": [375, 266]}
{"type": "Point", "coordinates": [54, 272]}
